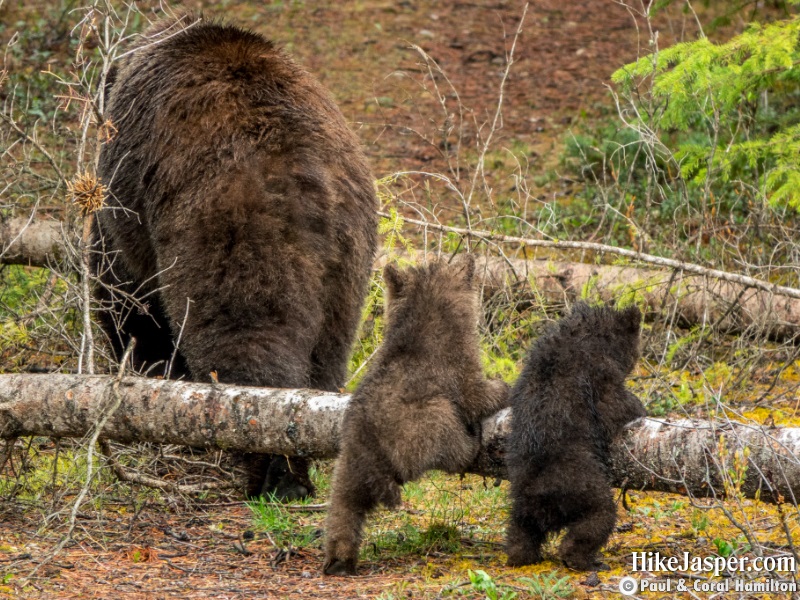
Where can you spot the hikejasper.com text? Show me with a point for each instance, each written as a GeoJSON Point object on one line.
{"type": "Point", "coordinates": [654, 562]}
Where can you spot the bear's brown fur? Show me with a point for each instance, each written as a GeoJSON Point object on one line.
{"type": "Point", "coordinates": [241, 213]}
{"type": "Point", "coordinates": [420, 405]}
{"type": "Point", "coordinates": [568, 405]}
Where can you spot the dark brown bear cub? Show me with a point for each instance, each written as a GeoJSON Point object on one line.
{"type": "Point", "coordinates": [568, 405]}
{"type": "Point", "coordinates": [241, 217]}
{"type": "Point", "coordinates": [418, 408]}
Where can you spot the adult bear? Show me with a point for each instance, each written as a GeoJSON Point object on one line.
{"type": "Point", "coordinates": [241, 215]}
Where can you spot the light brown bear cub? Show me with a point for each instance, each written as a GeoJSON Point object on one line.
{"type": "Point", "coordinates": [419, 407]}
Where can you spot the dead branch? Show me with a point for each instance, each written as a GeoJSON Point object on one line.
{"type": "Point", "coordinates": [694, 300]}
{"type": "Point", "coordinates": [737, 278]}
{"type": "Point", "coordinates": [129, 475]}
{"type": "Point", "coordinates": [700, 296]}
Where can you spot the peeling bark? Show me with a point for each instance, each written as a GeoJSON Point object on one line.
{"type": "Point", "coordinates": [277, 421]}
{"type": "Point", "coordinates": [701, 457]}
{"type": "Point", "coordinates": [682, 456]}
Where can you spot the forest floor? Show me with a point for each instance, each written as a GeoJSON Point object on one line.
{"type": "Point", "coordinates": [139, 544]}
{"type": "Point", "coordinates": [131, 543]}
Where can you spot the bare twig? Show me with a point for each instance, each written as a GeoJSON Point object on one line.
{"type": "Point", "coordinates": [178, 340]}
{"type": "Point", "coordinates": [87, 337]}
{"type": "Point", "coordinates": [35, 143]}
{"type": "Point", "coordinates": [633, 254]}
{"type": "Point", "coordinates": [479, 169]}
{"type": "Point", "coordinates": [117, 399]}
{"type": "Point", "coordinates": [131, 476]}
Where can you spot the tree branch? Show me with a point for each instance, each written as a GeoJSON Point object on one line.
{"type": "Point", "coordinates": [766, 286]}
{"type": "Point", "coordinates": [702, 296]}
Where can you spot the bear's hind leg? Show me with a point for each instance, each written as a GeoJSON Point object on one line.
{"type": "Point", "coordinates": [128, 311]}
{"type": "Point", "coordinates": [524, 538]}
{"type": "Point", "coordinates": [288, 478]}
{"type": "Point", "coordinates": [277, 477]}
{"type": "Point", "coordinates": [587, 535]}
{"type": "Point", "coordinates": [331, 353]}
{"type": "Point", "coordinates": [359, 485]}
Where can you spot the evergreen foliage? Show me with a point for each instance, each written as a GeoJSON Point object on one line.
{"type": "Point", "coordinates": [736, 102]}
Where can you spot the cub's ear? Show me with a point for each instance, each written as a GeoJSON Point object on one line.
{"type": "Point", "coordinates": [631, 318]}
{"type": "Point", "coordinates": [463, 265]}
{"type": "Point", "coordinates": [395, 280]}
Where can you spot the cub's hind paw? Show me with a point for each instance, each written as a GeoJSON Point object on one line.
{"type": "Point", "coordinates": [523, 559]}
{"type": "Point", "coordinates": [339, 567]}
{"type": "Point", "coordinates": [583, 564]}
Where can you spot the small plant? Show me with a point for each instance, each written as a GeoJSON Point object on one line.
{"type": "Point", "coordinates": [548, 586]}
{"type": "Point", "coordinates": [481, 581]}
{"type": "Point", "coordinates": [657, 511]}
{"type": "Point", "coordinates": [724, 547]}
{"type": "Point", "coordinates": [661, 404]}
{"type": "Point", "coordinates": [441, 537]}
{"type": "Point", "coordinates": [700, 521]}
{"type": "Point", "coordinates": [742, 93]}
{"type": "Point", "coordinates": [734, 466]}
{"type": "Point", "coordinates": [320, 473]}
{"type": "Point", "coordinates": [397, 540]}
{"type": "Point", "coordinates": [445, 508]}
{"type": "Point", "coordinates": [676, 506]}
{"type": "Point", "coordinates": [409, 539]}
{"type": "Point", "coordinates": [609, 151]}
{"type": "Point", "coordinates": [283, 527]}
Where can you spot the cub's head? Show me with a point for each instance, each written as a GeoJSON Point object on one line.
{"type": "Point", "coordinates": [439, 291]}
{"type": "Point", "coordinates": [606, 333]}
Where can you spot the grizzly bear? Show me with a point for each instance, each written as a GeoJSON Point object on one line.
{"type": "Point", "coordinates": [568, 404]}
{"type": "Point", "coordinates": [241, 217]}
{"type": "Point", "coordinates": [420, 405]}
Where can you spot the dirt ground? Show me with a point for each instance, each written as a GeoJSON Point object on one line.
{"type": "Point", "coordinates": [202, 553]}
{"type": "Point", "coordinates": [169, 547]}
{"type": "Point", "coordinates": [417, 114]}
{"type": "Point", "coordinates": [562, 63]}
{"type": "Point", "coordinates": [363, 52]}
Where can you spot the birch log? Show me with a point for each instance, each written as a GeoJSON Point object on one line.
{"type": "Point", "coordinates": [686, 299]}
{"type": "Point", "coordinates": [32, 242]}
{"type": "Point", "coordinates": [687, 457]}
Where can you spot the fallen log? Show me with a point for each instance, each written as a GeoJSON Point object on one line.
{"type": "Point", "coordinates": [33, 242]}
{"type": "Point", "coordinates": [687, 457]}
{"type": "Point", "coordinates": [687, 299]}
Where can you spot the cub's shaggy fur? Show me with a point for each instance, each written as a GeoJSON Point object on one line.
{"type": "Point", "coordinates": [568, 405]}
{"type": "Point", "coordinates": [419, 407]}
{"type": "Point", "coordinates": [241, 214]}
